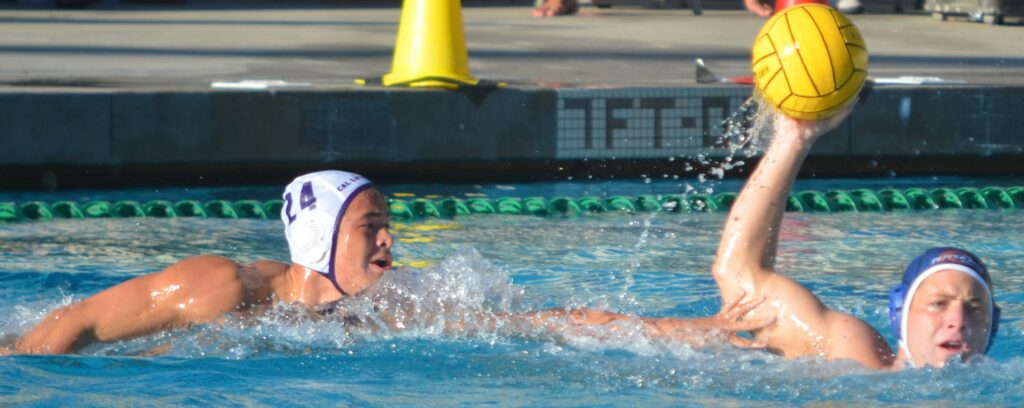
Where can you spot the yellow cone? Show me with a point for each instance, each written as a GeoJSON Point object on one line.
{"type": "Point", "coordinates": [431, 46]}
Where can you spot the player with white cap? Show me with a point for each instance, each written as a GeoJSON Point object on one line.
{"type": "Point", "coordinates": [337, 226]}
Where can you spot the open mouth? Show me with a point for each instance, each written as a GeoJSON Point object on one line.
{"type": "Point", "coordinates": [383, 263]}
{"type": "Point", "coordinates": [953, 346]}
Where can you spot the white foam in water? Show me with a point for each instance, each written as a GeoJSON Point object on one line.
{"type": "Point", "coordinates": [463, 291]}
{"type": "Point", "coordinates": [23, 317]}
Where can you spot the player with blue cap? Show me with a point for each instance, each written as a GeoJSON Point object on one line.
{"type": "Point", "coordinates": [943, 308]}
{"type": "Point", "coordinates": [941, 327]}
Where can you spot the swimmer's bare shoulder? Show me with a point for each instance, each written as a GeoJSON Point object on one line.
{"type": "Point", "coordinates": [195, 290]}
{"type": "Point", "coordinates": [806, 327]}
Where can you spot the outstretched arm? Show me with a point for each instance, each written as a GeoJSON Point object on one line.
{"type": "Point", "coordinates": [703, 331]}
{"type": "Point", "coordinates": [745, 262]}
{"type": "Point", "coordinates": [192, 291]}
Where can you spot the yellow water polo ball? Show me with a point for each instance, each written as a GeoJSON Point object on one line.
{"type": "Point", "coordinates": [809, 61]}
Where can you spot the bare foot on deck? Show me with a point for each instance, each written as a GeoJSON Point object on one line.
{"type": "Point", "coordinates": [758, 7]}
{"type": "Point", "coordinates": [553, 8]}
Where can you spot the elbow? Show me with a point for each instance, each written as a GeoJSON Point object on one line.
{"type": "Point", "coordinates": [732, 268]}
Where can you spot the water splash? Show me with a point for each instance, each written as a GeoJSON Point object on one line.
{"type": "Point", "coordinates": [745, 133]}
{"type": "Point", "coordinates": [628, 279]}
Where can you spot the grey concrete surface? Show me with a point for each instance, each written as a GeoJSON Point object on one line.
{"type": "Point", "coordinates": [330, 45]}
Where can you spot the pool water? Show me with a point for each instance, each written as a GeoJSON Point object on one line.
{"type": "Point", "coordinates": [474, 268]}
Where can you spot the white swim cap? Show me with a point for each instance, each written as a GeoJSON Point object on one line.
{"type": "Point", "coordinates": [313, 206]}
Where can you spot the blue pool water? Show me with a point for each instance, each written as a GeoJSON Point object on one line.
{"type": "Point", "coordinates": [480, 266]}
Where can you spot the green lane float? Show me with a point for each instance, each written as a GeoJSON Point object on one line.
{"type": "Point", "coordinates": [407, 207]}
{"type": "Point", "coordinates": [125, 209]}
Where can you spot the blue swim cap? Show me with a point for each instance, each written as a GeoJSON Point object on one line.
{"type": "Point", "coordinates": [931, 261]}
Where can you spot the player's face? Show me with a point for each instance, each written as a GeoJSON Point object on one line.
{"type": "Point", "coordinates": [364, 242]}
{"type": "Point", "coordinates": [948, 316]}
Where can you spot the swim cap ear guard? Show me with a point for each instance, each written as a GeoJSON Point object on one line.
{"type": "Point", "coordinates": [896, 309]}
{"type": "Point", "coordinates": [916, 271]}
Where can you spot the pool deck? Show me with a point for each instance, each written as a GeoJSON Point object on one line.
{"type": "Point", "coordinates": [121, 95]}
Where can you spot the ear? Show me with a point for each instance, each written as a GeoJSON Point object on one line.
{"type": "Point", "coordinates": [996, 315]}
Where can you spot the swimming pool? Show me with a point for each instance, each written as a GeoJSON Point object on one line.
{"type": "Point", "coordinates": [651, 263]}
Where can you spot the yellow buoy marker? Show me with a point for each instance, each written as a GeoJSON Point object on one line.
{"type": "Point", "coordinates": [431, 46]}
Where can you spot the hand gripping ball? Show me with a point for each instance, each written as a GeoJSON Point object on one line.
{"type": "Point", "coordinates": [809, 61]}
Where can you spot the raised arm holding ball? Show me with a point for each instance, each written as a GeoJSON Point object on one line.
{"type": "Point", "coordinates": [943, 307]}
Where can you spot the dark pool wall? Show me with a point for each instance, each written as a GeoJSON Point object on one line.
{"type": "Point", "coordinates": [58, 140]}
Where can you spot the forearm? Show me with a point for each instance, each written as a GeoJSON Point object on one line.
{"type": "Point", "coordinates": [750, 237]}
{"type": "Point", "coordinates": [119, 313]}
{"type": "Point", "coordinates": [596, 323]}
{"type": "Point", "coordinates": [61, 332]}
{"type": "Point", "coordinates": [734, 317]}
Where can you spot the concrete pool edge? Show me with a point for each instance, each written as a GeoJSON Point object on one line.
{"type": "Point", "coordinates": [109, 137]}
